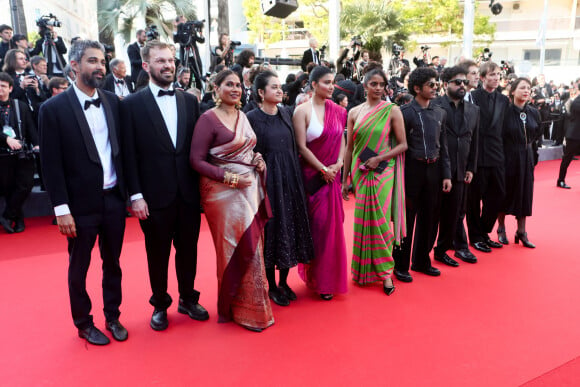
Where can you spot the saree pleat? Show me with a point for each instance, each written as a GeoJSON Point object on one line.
{"type": "Point", "coordinates": [379, 200]}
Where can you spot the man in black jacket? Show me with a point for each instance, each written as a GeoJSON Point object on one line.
{"type": "Point", "coordinates": [134, 53]}
{"type": "Point", "coordinates": [118, 82]}
{"type": "Point", "coordinates": [487, 190]}
{"type": "Point", "coordinates": [52, 49]}
{"type": "Point", "coordinates": [83, 173]}
{"type": "Point", "coordinates": [17, 137]}
{"type": "Point", "coordinates": [158, 123]}
{"type": "Point", "coordinates": [572, 142]}
{"type": "Point", "coordinates": [427, 173]}
{"type": "Point", "coordinates": [311, 55]}
{"type": "Point", "coordinates": [462, 126]}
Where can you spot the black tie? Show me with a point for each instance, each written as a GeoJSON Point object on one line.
{"type": "Point", "coordinates": [119, 81]}
{"type": "Point", "coordinates": [170, 93]}
{"type": "Point", "coordinates": [96, 102]}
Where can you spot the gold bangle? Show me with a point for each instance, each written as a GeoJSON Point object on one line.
{"type": "Point", "coordinates": [234, 180]}
{"type": "Point", "coordinates": [227, 177]}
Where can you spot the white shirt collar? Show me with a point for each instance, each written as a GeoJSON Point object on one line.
{"type": "Point", "coordinates": [82, 96]}
{"type": "Point", "coordinates": [155, 89]}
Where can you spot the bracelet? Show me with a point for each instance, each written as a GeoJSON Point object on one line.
{"type": "Point", "coordinates": [227, 178]}
{"type": "Point", "coordinates": [324, 170]}
{"type": "Point", "coordinates": [234, 181]}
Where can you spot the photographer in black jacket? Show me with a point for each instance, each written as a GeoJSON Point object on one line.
{"type": "Point", "coordinates": [17, 141]}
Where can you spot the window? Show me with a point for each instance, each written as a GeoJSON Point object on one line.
{"type": "Point", "coordinates": [553, 56]}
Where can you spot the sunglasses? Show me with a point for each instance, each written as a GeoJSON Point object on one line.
{"type": "Point", "coordinates": [458, 82]}
{"type": "Point", "coordinates": [432, 85]}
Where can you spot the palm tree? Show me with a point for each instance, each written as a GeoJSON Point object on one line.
{"type": "Point", "coordinates": [113, 13]}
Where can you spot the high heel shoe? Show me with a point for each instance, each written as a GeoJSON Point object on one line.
{"type": "Point", "coordinates": [388, 289]}
{"type": "Point", "coordinates": [326, 297]}
{"type": "Point", "coordinates": [524, 238]}
{"type": "Point", "coordinates": [502, 237]}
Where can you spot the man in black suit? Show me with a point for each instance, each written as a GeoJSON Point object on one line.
{"type": "Point", "coordinates": [6, 33]}
{"type": "Point", "coordinates": [134, 53]}
{"type": "Point", "coordinates": [311, 55]}
{"type": "Point", "coordinates": [487, 190]}
{"type": "Point", "coordinates": [52, 49]}
{"type": "Point", "coordinates": [572, 142]}
{"type": "Point", "coordinates": [83, 173]}
{"type": "Point", "coordinates": [118, 82]}
{"type": "Point", "coordinates": [462, 126]}
{"type": "Point", "coordinates": [18, 136]}
{"type": "Point", "coordinates": [158, 124]}
{"type": "Point", "coordinates": [427, 174]}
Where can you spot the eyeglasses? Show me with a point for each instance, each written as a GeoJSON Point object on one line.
{"type": "Point", "coordinates": [458, 82]}
{"type": "Point", "coordinates": [432, 85]}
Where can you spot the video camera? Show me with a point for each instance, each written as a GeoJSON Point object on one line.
{"type": "Point", "coordinates": [397, 49]}
{"type": "Point", "coordinates": [357, 41]}
{"type": "Point", "coordinates": [45, 21]}
{"type": "Point", "coordinates": [151, 33]}
{"type": "Point", "coordinates": [486, 54]}
{"type": "Point", "coordinates": [189, 29]}
{"type": "Point", "coordinates": [425, 48]}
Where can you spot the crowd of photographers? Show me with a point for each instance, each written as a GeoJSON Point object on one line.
{"type": "Point", "coordinates": [33, 72]}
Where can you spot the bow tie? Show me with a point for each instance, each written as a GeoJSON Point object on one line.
{"type": "Point", "coordinates": [96, 102]}
{"type": "Point", "coordinates": [170, 93]}
{"type": "Point", "coordinates": [119, 81]}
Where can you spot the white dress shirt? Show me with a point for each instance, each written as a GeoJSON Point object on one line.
{"type": "Point", "coordinates": [98, 125]}
{"type": "Point", "coordinates": [121, 90]}
{"type": "Point", "coordinates": [168, 106]}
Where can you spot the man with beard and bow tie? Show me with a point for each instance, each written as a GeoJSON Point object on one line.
{"type": "Point", "coordinates": [158, 123]}
{"type": "Point", "coordinates": [83, 174]}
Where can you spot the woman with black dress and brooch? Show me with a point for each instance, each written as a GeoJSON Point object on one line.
{"type": "Point", "coordinates": [521, 129]}
{"type": "Point", "coordinates": [287, 235]}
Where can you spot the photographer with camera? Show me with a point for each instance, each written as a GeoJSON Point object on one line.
{"type": "Point", "coordinates": [18, 140]}
{"type": "Point", "coordinates": [50, 45]}
{"type": "Point", "coordinates": [225, 50]}
{"type": "Point", "coordinates": [188, 34]}
{"type": "Point", "coordinates": [345, 64]}
{"type": "Point", "coordinates": [26, 87]}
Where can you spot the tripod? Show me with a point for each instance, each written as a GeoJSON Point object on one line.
{"type": "Point", "coordinates": [48, 48]}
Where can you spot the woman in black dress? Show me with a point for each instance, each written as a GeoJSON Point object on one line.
{"type": "Point", "coordinates": [287, 234]}
{"type": "Point", "coordinates": [521, 129]}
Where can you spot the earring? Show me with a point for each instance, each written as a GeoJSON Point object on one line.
{"type": "Point", "coordinates": [238, 105]}
{"type": "Point", "coordinates": [218, 102]}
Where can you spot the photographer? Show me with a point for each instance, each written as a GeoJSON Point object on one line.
{"type": "Point", "coordinates": [345, 62]}
{"type": "Point", "coordinates": [50, 45]}
{"type": "Point", "coordinates": [225, 51]}
{"type": "Point", "coordinates": [188, 34]}
{"type": "Point", "coordinates": [17, 141]}
{"type": "Point", "coordinates": [26, 87]}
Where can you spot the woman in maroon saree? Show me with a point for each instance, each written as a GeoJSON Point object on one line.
{"type": "Point", "coordinates": [321, 147]}
{"type": "Point", "coordinates": [235, 204]}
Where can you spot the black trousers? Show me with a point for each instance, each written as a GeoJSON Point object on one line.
{"type": "Point", "coordinates": [16, 180]}
{"type": "Point", "coordinates": [484, 202]}
{"type": "Point", "coordinates": [572, 149]}
{"type": "Point", "coordinates": [460, 237]}
{"type": "Point", "coordinates": [423, 187]}
{"type": "Point", "coordinates": [109, 226]}
{"type": "Point", "coordinates": [451, 204]}
{"type": "Point", "coordinates": [178, 224]}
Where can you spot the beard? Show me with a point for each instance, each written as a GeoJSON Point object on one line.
{"type": "Point", "coordinates": [92, 81]}
{"type": "Point", "coordinates": [160, 80]}
{"type": "Point", "coordinates": [456, 94]}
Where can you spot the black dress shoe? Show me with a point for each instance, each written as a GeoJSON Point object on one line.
{"type": "Point", "coordinates": [159, 320]}
{"type": "Point", "coordinates": [194, 310]}
{"type": "Point", "coordinates": [253, 329]}
{"type": "Point", "coordinates": [278, 297]}
{"type": "Point", "coordinates": [494, 244]}
{"type": "Point", "coordinates": [93, 336]}
{"type": "Point", "coordinates": [466, 256]}
{"type": "Point", "coordinates": [432, 271]}
{"type": "Point", "coordinates": [19, 225]}
{"type": "Point", "coordinates": [7, 225]}
{"type": "Point", "coordinates": [326, 297]}
{"type": "Point", "coordinates": [562, 184]}
{"type": "Point", "coordinates": [481, 246]}
{"type": "Point", "coordinates": [446, 259]}
{"type": "Point", "coordinates": [289, 293]}
{"type": "Point", "coordinates": [118, 330]}
{"type": "Point", "coordinates": [403, 276]}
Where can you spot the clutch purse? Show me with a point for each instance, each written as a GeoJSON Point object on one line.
{"type": "Point", "coordinates": [367, 153]}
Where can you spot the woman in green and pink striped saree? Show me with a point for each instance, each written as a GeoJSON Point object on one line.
{"type": "Point", "coordinates": [374, 159]}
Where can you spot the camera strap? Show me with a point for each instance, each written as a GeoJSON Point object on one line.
{"type": "Point", "coordinates": [18, 121]}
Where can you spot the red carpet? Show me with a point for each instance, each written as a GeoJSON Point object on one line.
{"type": "Point", "coordinates": [508, 320]}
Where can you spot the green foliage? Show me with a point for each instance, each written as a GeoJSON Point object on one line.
{"type": "Point", "coordinates": [264, 27]}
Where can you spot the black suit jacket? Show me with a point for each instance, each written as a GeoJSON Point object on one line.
{"type": "Point", "coordinates": [307, 58]}
{"type": "Point", "coordinates": [60, 51]}
{"type": "Point", "coordinates": [25, 131]}
{"type": "Point", "coordinates": [490, 140]}
{"type": "Point", "coordinates": [461, 141]}
{"type": "Point", "coordinates": [134, 54]}
{"type": "Point", "coordinates": [153, 166]}
{"type": "Point", "coordinates": [573, 127]}
{"type": "Point", "coordinates": [71, 166]}
{"type": "Point", "coordinates": [109, 84]}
